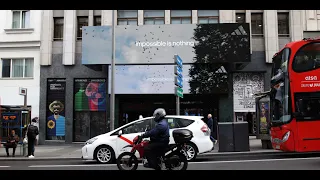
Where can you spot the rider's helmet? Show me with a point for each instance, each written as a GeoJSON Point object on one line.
{"type": "Point", "coordinates": [159, 114]}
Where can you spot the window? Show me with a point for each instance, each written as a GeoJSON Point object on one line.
{"type": "Point", "coordinates": [178, 123]}
{"type": "Point", "coordinates": [257, 24]}
{"type": "Point", "coordinates": [283, 24]}
{"type": "Point", "coordinates": [241, 18]}
{"type": "Point", "coordinates": [308, 104]}
{"type": "Point", "coordinates": [58, 28]}
{"type": "Point", "coordinates": [127, 17]}
{"type": "Point", "coordinates": [17, 68]}
{"type": "Point", "coordinates": [280, 95]}
{"type": "Point", "coordinates": [208, 16]}
{"type": "Point", "coordinates": [181, 16]}
{"type": "Point", "coordinates": [307, 58]}
{"type": "Point", "coordinates": [82, 21]}
{"type": "Point", "coordinates": [97, 21]}
{"type": "Point", "coordinates": [153, 16]}
{"type": "Point", "coordinates": [20, 19]}
{"type": "Point", "coordinates": [139, 126]}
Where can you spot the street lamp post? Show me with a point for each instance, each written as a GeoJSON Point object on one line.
{"type": "Point", "coordinates": [112, 95]}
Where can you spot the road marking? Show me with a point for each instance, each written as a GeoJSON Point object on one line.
{"type": "Point", "coordinates": [255, 160]}
{"type": "Point", "coordinates": [204, 162]}
{"type": "Point", "coordinates": [5, 166]}
{"type": "Point", "coordinates": [78, 165]}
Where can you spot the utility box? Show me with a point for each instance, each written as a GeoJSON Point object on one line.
{"type": "Point", "coordinates": [233, 136]}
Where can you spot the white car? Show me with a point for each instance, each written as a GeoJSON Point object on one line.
{"type": "Point", "coordinates": [107, 147]}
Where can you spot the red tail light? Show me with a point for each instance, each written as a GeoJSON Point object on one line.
{"type": "Point", "coordinates": [204, 128]}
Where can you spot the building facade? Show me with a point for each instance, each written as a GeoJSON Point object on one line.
{"type": "Point", "coordinates": [20, 32]}
{"type": "Point", "coordinates": [67, 72]}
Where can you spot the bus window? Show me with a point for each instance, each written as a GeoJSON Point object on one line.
{"type": "Point", "coordinates": [307, 58]}
{"type": "Point", "coordinates": [310, 108]}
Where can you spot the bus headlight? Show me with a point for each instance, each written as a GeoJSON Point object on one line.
{"type": "Point", "coordinates": [286, 137]}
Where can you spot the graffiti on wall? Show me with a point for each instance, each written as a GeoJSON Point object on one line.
{"type": "Point", "coordinates": [245, 85]}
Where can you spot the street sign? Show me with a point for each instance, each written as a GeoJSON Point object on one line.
{"type": "Point", "coordinates": [22, 91]}
{"type": "Point", "coordinates": [179, 92]}
{"type": "Point", "coordinates": [178, 71]}
{"type": "Point", "coordinates": [178, 79]}
{"type": "Point", "coordinates": [178, 60]}
{"type": "Point", "coordinates": [178, 82]}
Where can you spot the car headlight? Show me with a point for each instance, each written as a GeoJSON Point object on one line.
{"type": "Point", "coordinates": [90, 141]}
{"type": "Point", "coordinates": [286, 137]}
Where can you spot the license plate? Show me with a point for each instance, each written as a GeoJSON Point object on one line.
{"type": "Point", "coordinates": [277, 146]}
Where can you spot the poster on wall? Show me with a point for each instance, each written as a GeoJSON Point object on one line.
{"type": "Point", "coordinates": [55, 121]}
{"type": "Point", "coordinates": [264, 117]}
{"type": "Point", "coordinates": [245, 85]}
{"type": "Point", "coordinates": [90, 95]}
{"type": "Point", "coordinates": [90, 101]}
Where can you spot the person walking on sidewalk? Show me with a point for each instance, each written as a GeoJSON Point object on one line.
{"type": "Point", "coordinates": [32, 132]}
{"type": "Point", "coordinates": [211, 125]}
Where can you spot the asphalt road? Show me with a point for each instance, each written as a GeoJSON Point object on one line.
{"type": "Point", "coordinates": [267, 162]}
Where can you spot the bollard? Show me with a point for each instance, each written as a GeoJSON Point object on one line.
{"type": "Point", "coordinates": [25, 149]}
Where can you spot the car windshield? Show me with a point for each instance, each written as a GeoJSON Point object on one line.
{"type": "Point", "coordinates": [280, 96]}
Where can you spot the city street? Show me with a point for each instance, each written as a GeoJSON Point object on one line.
{"type": "Point", "coordinates": [257, 162]}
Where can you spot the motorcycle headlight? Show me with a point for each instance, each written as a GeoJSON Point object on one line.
{"type": "Point", "coordinates": [286, 137]}
{"type": "Point", "coordinates": [90, 141]}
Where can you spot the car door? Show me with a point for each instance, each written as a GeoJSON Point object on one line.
{"type": "Point", "coordinates": [130, 132]}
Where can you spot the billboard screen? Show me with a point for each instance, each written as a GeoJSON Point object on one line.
{"type": "Point", "coordinates": [157, 44]}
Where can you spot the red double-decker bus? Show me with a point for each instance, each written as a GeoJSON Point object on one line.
{"type": "Point", "coordinates": [295, 97]}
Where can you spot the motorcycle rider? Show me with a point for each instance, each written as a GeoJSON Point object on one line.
{"type": "Point", "coordinates": [159, 139]}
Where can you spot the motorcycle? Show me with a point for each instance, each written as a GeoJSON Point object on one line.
{"type": "Point", "coordinates": [172, 159]}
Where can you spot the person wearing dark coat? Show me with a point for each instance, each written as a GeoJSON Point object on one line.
{"type": "Point", "coordinates": [211, 125]}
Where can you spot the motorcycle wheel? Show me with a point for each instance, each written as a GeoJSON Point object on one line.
{"type": "Point", "coordinates": [178, 158]}
{"type": "Point", "coordinates": [130, 163]}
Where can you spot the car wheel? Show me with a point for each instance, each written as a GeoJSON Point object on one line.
{"type": "Point", "coordinates": [104, 154]}
{"type": "Point", "coordinates": [190, 151]}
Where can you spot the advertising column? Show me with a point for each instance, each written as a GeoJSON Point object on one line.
{"type": "Point", "coordinates": [55, 121]}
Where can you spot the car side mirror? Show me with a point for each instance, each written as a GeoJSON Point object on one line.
{"type": "Point", "coordinates": [119, 133]}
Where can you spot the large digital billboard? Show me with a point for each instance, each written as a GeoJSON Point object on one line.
{"type": "Point", "coordinates": [157, 44]}
{"type": "Point", "coordinates": [159, 79]}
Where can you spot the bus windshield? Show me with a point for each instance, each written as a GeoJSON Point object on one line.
{"type": "Point", "coordinates": [280, 96]}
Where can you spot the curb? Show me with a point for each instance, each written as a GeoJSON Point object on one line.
{"type": "Point", "coordinates": [216, 154]}
{"type": "Point", "coordinates": [38, 158]}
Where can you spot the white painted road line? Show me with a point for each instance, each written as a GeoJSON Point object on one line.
{"type": "Point", "coordinates": [5, 166]}
{"type": "Point", "coordinates": [204, 162]}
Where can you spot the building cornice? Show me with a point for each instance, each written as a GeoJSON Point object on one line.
{"type": "Point", "coordinates": [20, 44]}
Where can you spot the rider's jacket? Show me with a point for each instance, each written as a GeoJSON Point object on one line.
{"type": "Point", "coordinates": [160, 133]}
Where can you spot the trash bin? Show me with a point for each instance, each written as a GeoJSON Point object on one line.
{"type": "Point", "coordinates": [233, 136]}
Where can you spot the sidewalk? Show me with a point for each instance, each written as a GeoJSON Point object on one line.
{"type": "Point", "coordinates": [73, 151]}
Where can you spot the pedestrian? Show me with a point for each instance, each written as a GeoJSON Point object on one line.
{"type": "Point", "coordinates": [211, 124]}
{"type": "Point", "coordinates": [32, 132]}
